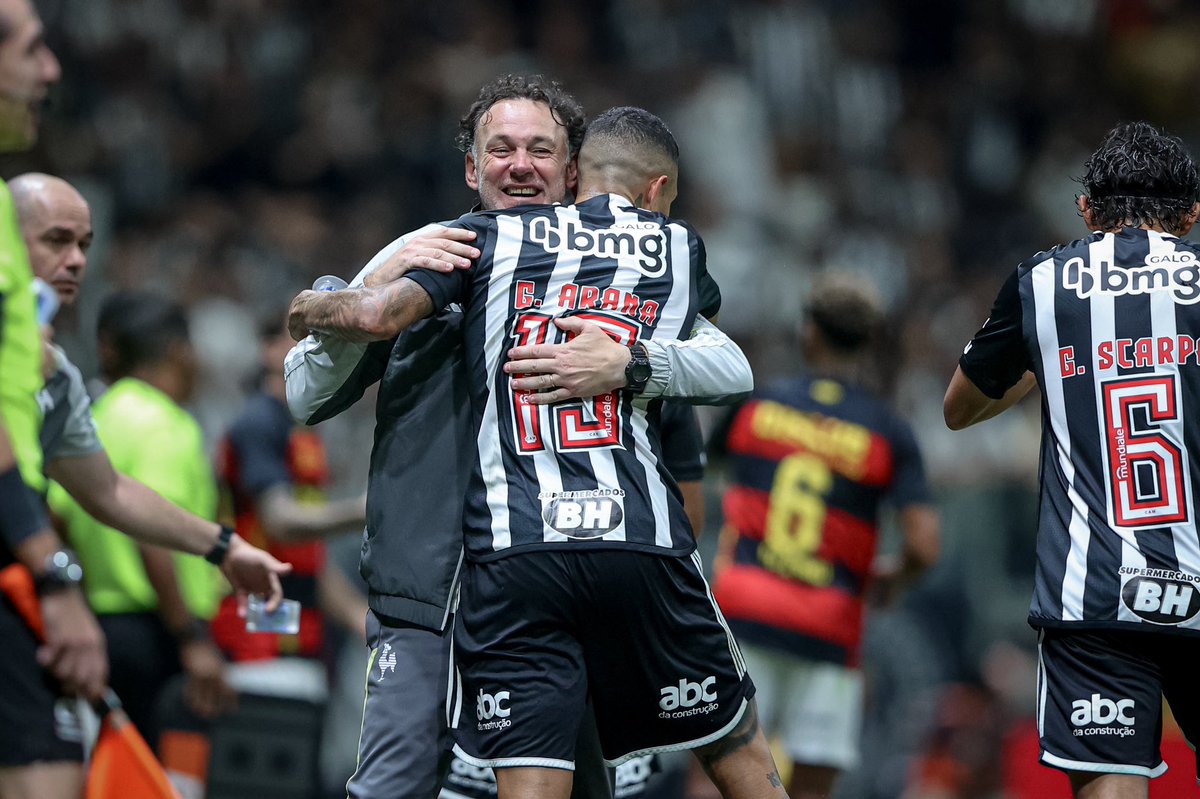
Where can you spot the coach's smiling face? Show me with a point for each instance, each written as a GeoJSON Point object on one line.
{"type": "Point", "coordinates": [519, 156]}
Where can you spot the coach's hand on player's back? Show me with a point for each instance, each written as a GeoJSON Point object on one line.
{"type": "Point", "coordinates": [592, 362]}
{"type": "Point", "coordinates": [440, 250]}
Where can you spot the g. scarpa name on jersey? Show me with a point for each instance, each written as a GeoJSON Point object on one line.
{"type": "Point", "coordinates": [1130, 353]}
{"type": "Point", "coordinates": [1177, 272]}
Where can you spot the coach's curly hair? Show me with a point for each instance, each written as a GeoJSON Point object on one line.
{"type": "Point", "coordinates": [1141, 176]}
{"type": "Point", "coordinates": [565, 109]}
{"type": "Point", "coordinates": [846, 309]}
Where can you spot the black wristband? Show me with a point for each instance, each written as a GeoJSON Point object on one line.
{"type": "Point", "coordinates": [216, 555]}
{"type": "Point", "coordinates": [22, 512]}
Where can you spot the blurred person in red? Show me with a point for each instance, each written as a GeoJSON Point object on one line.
{"type": "Point", "coordinates": [273, 474]}
{"type": "Point", "coordinates": [812, 459]}
{"type": "Point", "coordinates": [1106, 327]}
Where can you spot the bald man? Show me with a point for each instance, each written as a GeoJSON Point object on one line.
{"type": "Point", "coordinates": [56, 225]}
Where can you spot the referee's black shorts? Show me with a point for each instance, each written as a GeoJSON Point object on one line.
{"type": "Point", "coordinates": [37, 723]}
{"type": "Point", "coordinates": [538, 632]}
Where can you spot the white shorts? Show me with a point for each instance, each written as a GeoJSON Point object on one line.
{"type": "Point", "coordinates": [814, 708]}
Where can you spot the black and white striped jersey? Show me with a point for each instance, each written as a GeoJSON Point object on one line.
{"type": "Point", "coordinates": [578, 473]}
{"type": "Point", "coordinates": [1110, 325]}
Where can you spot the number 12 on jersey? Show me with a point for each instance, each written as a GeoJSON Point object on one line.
{"type": "Point", "coordinates": [593, 423]}
{"type": "Point", "coordinates": [1147, 467]}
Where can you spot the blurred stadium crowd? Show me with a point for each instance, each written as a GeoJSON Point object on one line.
{"type": "Point", "coordinates": [233, 150]}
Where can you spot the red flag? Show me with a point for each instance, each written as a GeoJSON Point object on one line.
{"type": "Point", "coordinates": [122, 767]}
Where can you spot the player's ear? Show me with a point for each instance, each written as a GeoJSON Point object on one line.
{"type": "Point", "coordinates": [1085, 210]}
{"type": "Point", "coordinates": [573, 174]}
{"type": "Point", "coordinates": [657, 195]}
{"type": "Point", "coordinates": [1189, 219]}
{"type": "Point", "coordinates": [472, 177]}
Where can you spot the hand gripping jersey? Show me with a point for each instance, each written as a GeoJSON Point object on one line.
{"type": "Point", "coordinates": [578, 473]}
{"type": "Point", "coordinates": [812, 460]}
{"type": "Point", "coordinates": [1109, 326]}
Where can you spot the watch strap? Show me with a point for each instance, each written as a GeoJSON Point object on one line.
{"type": "Point", "coordinates": [216, 555]}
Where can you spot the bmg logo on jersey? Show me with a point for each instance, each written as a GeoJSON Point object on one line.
{"type": "Point", "coordinates": [492, 710]}
{"type": "Point", "coordinates": [1095, 716]}
{"type": "Point", "coordinates": [645, 242]}
{"type": "Point", "coordinates": [680, 701]}
{"type": "Point", "coordinates": [1176, 272]}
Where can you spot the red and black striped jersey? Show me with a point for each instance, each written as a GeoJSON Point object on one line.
{"type": "Point", "coordinates": [811, 462]}
{"type": "Point", "coordinates": [582, 472]}
{"type": "Point", "coordinates": [1109, 324]}
{"type": "Point", "coordinates": [264, 449]}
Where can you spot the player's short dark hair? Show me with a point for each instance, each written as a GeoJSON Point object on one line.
{"type": "Point", "coordinates": [1141, 176]}
{"type": "Point", "coordinates": [565, 109]}
{"type": "Point", "coordinates": [635, 126]}
{"type": "Point", "coordinates": [137, 328]}
{"type": "Point", "coordinates": [846, 310]}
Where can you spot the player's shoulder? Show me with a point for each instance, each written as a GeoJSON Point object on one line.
{"type": "Point", "coordinates": [1058, 252]}
{"type": "Point", "coordinates": [479, 217]}
{"type": "Point", "coordinates": [831, 397]}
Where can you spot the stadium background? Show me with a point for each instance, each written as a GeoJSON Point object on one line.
{"type": "Point", "coordinates": [233, 150]}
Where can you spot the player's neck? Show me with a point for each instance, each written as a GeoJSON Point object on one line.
{"type": "Point", "coordinates": [595, 190]}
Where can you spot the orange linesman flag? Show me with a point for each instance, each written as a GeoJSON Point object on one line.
{"type": "Point", "coordinates": [122, 767]}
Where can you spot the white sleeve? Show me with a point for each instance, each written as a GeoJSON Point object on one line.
{"type": "Point", "coordinates": [707, 368]}
{"type": "Point", "coordinates": [318, 366]}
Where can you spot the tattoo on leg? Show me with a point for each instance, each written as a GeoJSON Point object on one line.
{"type": "Point", "coordinates": [773, 778]}
{"type": "Point", "coordinates": [738, 737]}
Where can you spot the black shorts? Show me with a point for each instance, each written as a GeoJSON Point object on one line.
{"type": "Point", "coordinates": [537, 633]}
{"type": "Point", "coordinates": [1100, 696]}
{"type": "Point", "coordinates": [592, 780]}
{"type": "Point", "coordinates": [37, 723]}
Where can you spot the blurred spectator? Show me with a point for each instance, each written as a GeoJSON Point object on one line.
{"type": "Point", "coordinates": [153, 605]}
{"type": "Point", "coordinates": [812, 459]}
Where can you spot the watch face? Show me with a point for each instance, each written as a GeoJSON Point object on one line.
{"type": "Point", "coordinates": [637, 371]}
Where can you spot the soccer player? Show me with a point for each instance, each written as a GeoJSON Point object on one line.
{"type": "Point", "coordinates": [1107, 328]}
{"type": "Point", "coordinates": [578, 549]}
{"type": "Point", "coordinates": [812, 459]}
{"type": "Point", "coordinates": [520, 141]}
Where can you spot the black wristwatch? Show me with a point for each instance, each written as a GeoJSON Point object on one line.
{"type": "Point", "coordinates": [637, 371]}
{"type": "Point", "coordinates": [61, 572]}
